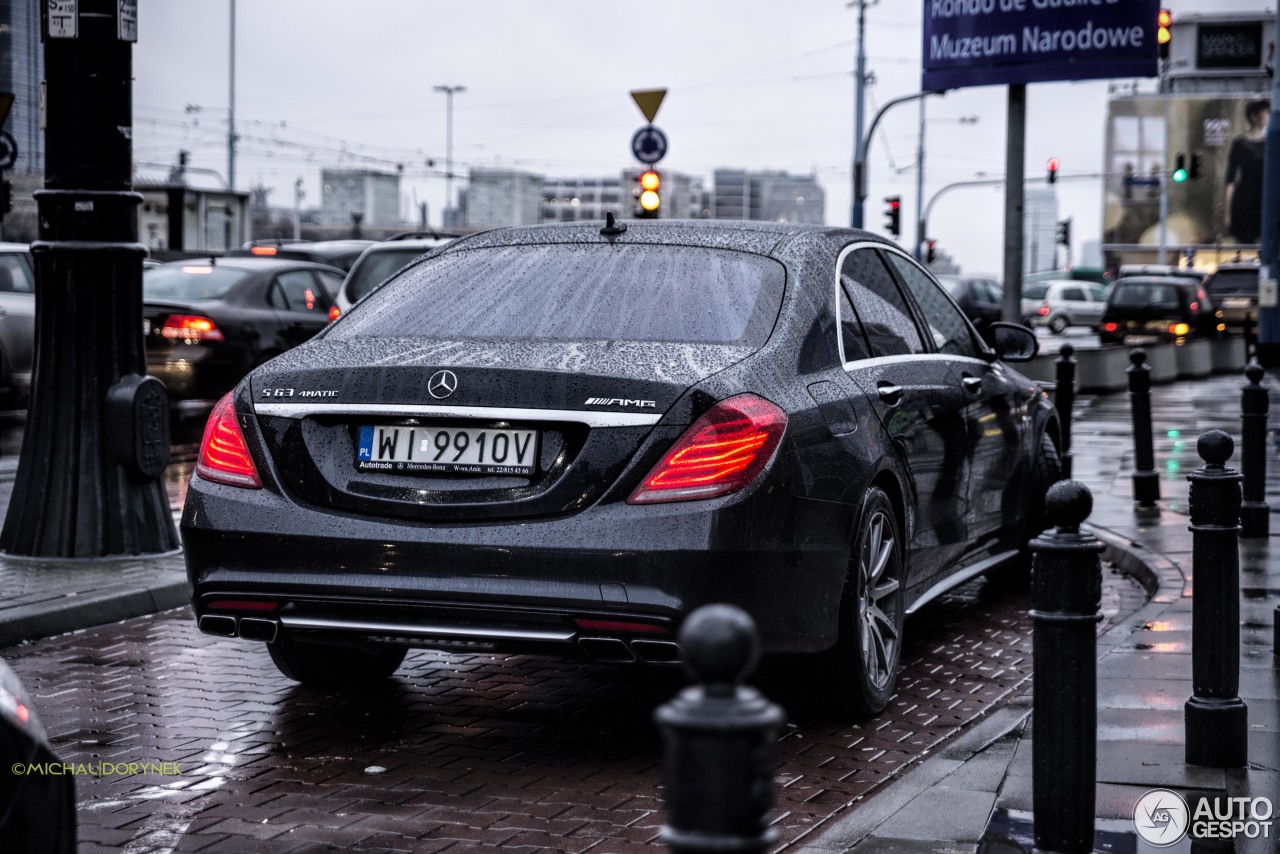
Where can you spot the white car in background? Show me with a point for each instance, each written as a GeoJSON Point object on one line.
{"type": "Point", "coordinates": [17, 323]}
{"type": "Point", "coordinates": [1059, 304]}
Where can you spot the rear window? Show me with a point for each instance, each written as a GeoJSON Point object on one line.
{"type": "Point", "coordinates": [578, 293]}
{"type": "Point", "coordinates": [16, 275]}
{"type": "Point", "coordinates": [376, 268]}
{"type": "Point", "coordinates": [1035, 291]}
{"type": "Point", "coordinates": [1234, 282]}
{"type": "Point", "coordinates": [1145, 295]}
{"type": "Point", "coordinates": [190, 281]}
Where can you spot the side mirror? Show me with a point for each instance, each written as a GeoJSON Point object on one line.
{"type": "Point", "coordinates": [1012, 342]}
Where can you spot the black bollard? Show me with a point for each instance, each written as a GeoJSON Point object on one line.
{"type": "Point", "coordinates": [1066, 594]}
{"type": "Point", "coordinates": [1146, 480]}
{"type": "Point", "coordinates": [720, 740]}
{"type": "Point", "coordinates": [1255, 515]}
{"type": "Point", "coordinates": [1246, 329]}
{"type": "Point", "coordinates": [1216, 717]}
{"type": "Point", "coordinates": [1063, 399]}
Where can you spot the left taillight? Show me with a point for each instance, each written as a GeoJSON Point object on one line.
{"type": "Point", "coordinates": [334, 312]}
{"type": "Point", "coordinates": [191, 327]}
{"type": "Point", "coordinates": [720, 453]}
{"type": "Point", "coordinates": [224, 455]}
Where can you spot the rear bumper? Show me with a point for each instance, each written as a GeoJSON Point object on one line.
{"type": "Point", "coordinates": [522, 585]}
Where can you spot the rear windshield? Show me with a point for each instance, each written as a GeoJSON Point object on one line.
{"type": "Point", "coordinates": [1034, 291]}
{"type": "Point", "coordinates": [578, 293]}
{"type": "Point", "coordinates": [1145, 295]}
{"type": "Point", "coordinates": [376, 268]}
{"type": "Point", "coordinates": [1234, 282]}
{"type": "Point", "coordinates": [189, 281]}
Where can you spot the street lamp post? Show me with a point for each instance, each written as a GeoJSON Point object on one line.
{"type": "Point", "coordinates": [449, 92]}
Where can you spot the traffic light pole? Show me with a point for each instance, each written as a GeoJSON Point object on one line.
{"type": "Point", "coordinates": [860, 168]}
{"type": "Point", "coordinates": [1015, 165]}
{"type": "Point", "coordinates": [97, 433]}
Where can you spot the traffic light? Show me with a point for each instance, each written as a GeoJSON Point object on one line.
{"type": "Point", "coordinates": [1064, 232]}
{"type": "Point", "coordinates": [649, 199]}
{"type": "Point", "coordinates": [893, 215]}
{"type": "Point", "coordinates": [1179, 169]}
{"type": "Point", "coordinates": [1052, 166]}
{"type": "Point", "coordinates": [1194, 172]}
{"type": "Point", "coordinates": [1164, 20]}
{"type": "Point", "coordinates": [930, 251]}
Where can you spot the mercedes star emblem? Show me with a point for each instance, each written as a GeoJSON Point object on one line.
{"type": "Point", "coordinates": [442, 384]}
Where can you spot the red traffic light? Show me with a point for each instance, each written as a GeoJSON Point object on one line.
{"type": "Point", "coordinates": [1052, 166]}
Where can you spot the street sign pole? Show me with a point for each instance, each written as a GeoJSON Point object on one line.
{"type": "Point", "coordinates": [1269, 255]}
{"type": "Point", "coordinates": [97, 434]}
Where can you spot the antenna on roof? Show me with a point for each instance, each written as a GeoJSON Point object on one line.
{"type": "Point", "coordinates": [611, 227]}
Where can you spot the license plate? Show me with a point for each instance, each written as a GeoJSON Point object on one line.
{"type": "Point", "coordinates": [1237, 302]}
{"type": "Point", "coordinates": [452, 450]}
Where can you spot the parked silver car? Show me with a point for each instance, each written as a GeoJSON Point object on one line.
{"type": "Point", "coordinates": [1059, 304]}
{"type": "Point", "coordinates": [17, 323]}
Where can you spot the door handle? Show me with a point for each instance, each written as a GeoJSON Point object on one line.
{"type": "Point", "coordinates": [889, 392]}
{"type": "Point", "coordinates": [973, 385]}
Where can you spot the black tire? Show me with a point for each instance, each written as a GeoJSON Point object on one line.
{"type": "Point", "coordinates": [1046, 470]}
{"type": "Point", "coordinates": [863, 666]}
{"type": "Point", "coordinates": [1058, 324]}
{"type": "Point", "coordinates": [324, 666]}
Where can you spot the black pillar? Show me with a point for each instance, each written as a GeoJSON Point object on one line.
{"type": "Point", "coordinates": [97, 434]}
{"type": "Point", "coordinates": [1064, 397]}
{"type": "Point", "coordinates": [1255, 515]}
{"type": "Point", "coordinates": [1146, 480]}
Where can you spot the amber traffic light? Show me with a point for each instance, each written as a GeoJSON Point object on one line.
{"type": "Point", "coordinates": [1164, 20]}
{"type": "Point", "coordinates": [650, 200]}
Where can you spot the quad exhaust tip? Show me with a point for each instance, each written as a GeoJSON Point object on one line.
{"type": "Point", "coordinates": [618, 651]}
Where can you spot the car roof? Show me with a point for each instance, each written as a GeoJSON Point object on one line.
{"type": "Point", "coordinates": [1231, 266]}
{"type": "Point", "coordinates": [252, 263]}
{"type": "Point", "coordinates": [763, 238]}
{"type": "Point", "coordinates": [1182, 281]}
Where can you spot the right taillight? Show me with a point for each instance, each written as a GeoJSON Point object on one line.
{"type": "Point", "coordinates": [1110, 327]}
{"type": "Point", "coordinates": [721, 452]}
{"type": "Point", "coordinates": [224, 455]}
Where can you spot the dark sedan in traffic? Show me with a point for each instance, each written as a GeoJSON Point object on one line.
{"type": "Point", "coordinates": [206, 323]}
{"type": "Point", "coordinates": [1147, 309]}
{"type": "Point", "coordinates": [563, 439]}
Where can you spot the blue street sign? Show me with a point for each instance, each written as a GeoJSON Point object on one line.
{"type": "Point", "coordinates": [649, 144]}
{"type": "Point", "coordinates": [1000, 42]}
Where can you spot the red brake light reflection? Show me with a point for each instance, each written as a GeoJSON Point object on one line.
{"type": "Point", "coordinates": [191, 327]}
{"type": "Point", "coordinates": [224, 455]}
{"type": "Point", "coordinates": [720, 453]}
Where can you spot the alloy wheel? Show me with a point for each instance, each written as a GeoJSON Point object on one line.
{"type": "Point", "coordinates": [878, 600]}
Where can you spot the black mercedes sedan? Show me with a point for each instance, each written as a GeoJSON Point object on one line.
{"type": "Point", "coordinates": [563, 439]}
{"type": "Point", "coordinates": [207, 322]}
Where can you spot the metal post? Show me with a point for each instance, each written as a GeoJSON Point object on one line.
{"type": "Point", "coordinates": [1268, 342]}
{"type": "Point", "coordinates": [1250, 338]}
{"type": "Point", "coordinates": [1014, 166]}
{"type": "Point", "coordinates": [720, 740]}
{"type": "Point", "coordinates": [859, 110]}
{"type": "Point", "coordinates": [1255, 515]}
{"type": "Point", "coordinates": [1217, 720]}
{"type": "Point", "coordinates": [918, 251]}
{"type": "Point", "coordinates": [1066, 595]}
{"type": "Point", "coordinates": [1064, 398]}
{"type": "Point", "coordinates": [1146, 480]}
{"type": "Point", "coordinates": [231, 109]}
{"type": "Point", "coordinates": [97, 437]}
{"type": "Point", "coordinates": [449, 212]}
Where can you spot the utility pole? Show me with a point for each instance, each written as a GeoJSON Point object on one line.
{"type": "Point", "coordinates": [231, 112]}
{"type": "Point", "coordinates": [297, 209]}
{"type": "Point", "coordinates": [448, 213]}
{"type": "Point", "coordinates": [918, 251]}
{"type": "Point", "coordinates": [1014, 200]}
{"type": "Point", "coordinates": [97, 436]}
{"type": "Point", "coordinates": [859, 110]}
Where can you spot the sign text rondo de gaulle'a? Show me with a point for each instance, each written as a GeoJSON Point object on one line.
{"type": "Point", "coordinates": [1000, 42]}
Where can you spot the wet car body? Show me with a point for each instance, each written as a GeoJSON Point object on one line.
{"type": "Point", "coordinates": [577, 555]}
{"type": "Point", "coordinates": [1234, 287]}
{"type": "Point", "coordinates": [1148, 309]}
{"type": "Point", "coordinates": [206, 324]}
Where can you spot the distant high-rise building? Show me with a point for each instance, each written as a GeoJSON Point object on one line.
{"type": "Point", "coordinates": [1040, 230]}
{"type": "Point", "coordinates": [373, 196]}
{"type": "Point", "coordinates": [572, 199]}
{"type": "Point", "coordinates": [21, 70]}
{"type": "Point", "coordinates": [499, 197]}
{"type": "Point", "coordinates": [768, 195]}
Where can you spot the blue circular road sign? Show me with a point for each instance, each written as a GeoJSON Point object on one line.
{"type": "Point", "coordinates": [649, 144]}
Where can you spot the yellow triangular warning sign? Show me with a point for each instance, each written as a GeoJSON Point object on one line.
{"type": "Point", "coordinates": [648, 100]}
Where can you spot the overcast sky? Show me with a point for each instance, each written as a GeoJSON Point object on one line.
{"type": "Point", "coordinates": [756, 84]}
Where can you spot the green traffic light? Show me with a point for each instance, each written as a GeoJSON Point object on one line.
{"type": "Point", "coordinates": [1179, 175]}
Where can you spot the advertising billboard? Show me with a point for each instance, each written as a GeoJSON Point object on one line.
{"type": "Point", "coordinates": [1213, 171]}
{"type": "Point", "coordinates": [988, 42]}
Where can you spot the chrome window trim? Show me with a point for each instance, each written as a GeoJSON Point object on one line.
{"type": "Point", "coordinates": [501, 413]}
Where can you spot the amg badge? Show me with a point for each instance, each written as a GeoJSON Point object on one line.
{"type": "Point", "coordinates": [619, 401]}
